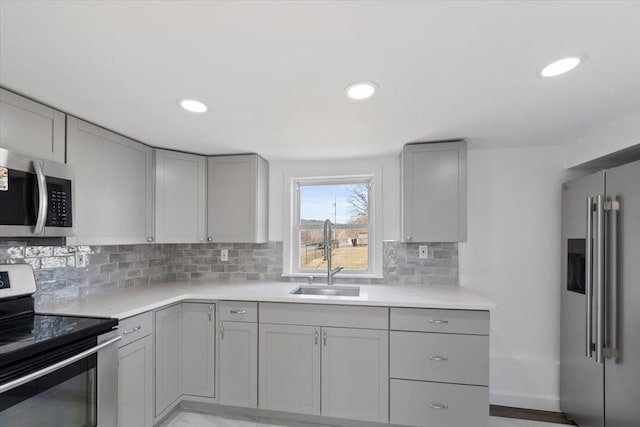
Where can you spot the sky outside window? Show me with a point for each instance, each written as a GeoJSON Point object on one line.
{"type": "Point", "coordinates": [317, 202]}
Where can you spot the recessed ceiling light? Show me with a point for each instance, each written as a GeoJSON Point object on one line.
{"type": "Point", "coordinates": [193, 105]}
{"type": "Point", "coordinates": [360, 90]}
{"type": "Point", "coordinates": [561, 66]}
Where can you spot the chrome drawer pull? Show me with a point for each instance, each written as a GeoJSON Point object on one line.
{"type": "Point", "coordinates": [132, 330]}
{"type": "Point", "coordinates": [238, 311]}
{"type": "Point", "coordinates": [438, 406]}
{"type": "Point", "coordinates": [438, 321]}
{"type": "Point", "coordinates": [438, 358]}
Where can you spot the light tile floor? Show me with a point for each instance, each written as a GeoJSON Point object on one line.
{"type": "Point", "coordinates": [195, 419]}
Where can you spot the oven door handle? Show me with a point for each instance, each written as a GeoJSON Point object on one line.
{"type": "Point", "coordinates": [43, 197]}
{"type": "Point", "coordinates": [56, 366]}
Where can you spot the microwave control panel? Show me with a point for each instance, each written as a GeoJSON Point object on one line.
{"type": "Point", "coordinates": [59, 209]}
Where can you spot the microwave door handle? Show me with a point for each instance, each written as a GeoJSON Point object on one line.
{"type": "Point", "coordinates": [588, 291]}
{"type": "Point", "coordinates": [42, 196]}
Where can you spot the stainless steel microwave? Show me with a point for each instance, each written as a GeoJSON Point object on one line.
{"type": "Point", "coordinates": [36, 197]}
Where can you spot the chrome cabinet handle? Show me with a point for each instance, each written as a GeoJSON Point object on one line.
{"type": "Point", "coordinates": [209, 312]}
{"type": "Point", "coordinates": [438, 358]}
{"type": "Point", "coordinates": [588, 277]}
{"type": "Point", "coordinates": [221, 330]}
{"type": "Point", "coordinates": [316, 335]}
{"type": "Point", "coordinates": [238, 311]}
{"type": "Point", "coordinates": [149, 239]}
{"type": "Point", "coordinates": [43, 198]}
{"type": "Point", "coordinates": [132, 330]}
{"type": "Point", "coordinates": [438, 406]}
{"type": "Point", "coordinates": [408, 237]}
{"type": "Point", "coordinates": [209, 239]}
{"type": "Point", "coordinates": [324, 336]}
{"type": "Point", "coordinates": [56, 366]}
{"type": "Point", "coordinates": [438, 321]}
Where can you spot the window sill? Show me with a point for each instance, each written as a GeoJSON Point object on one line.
{"type": "Point", "coordinates": [337, 276]}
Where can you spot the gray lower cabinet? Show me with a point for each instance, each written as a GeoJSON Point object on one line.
{"type": "Point", "coordinates": [198, 349]}
{"type": "Point", "coordinates": [238, 364]}
{"type": "Point", "coordinates": [355, 374]}
{"type": "Point", "coordinates": [135, 383]}
{"type": "Point", "coordinates": [289, 368]}
{"type": "Point", "coordinates": [428, 404]}
{"type": "Point", "coordinates": [114, 186]}
{"type": "Point", "coordinates": [434, 192]}
{"type": "Point", "coordinates": [30, 128]}
{"type": "Point", "coordinates": [168, 357]}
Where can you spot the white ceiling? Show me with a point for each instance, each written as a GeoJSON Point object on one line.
{"type": "Point", "coordinates": [273, 73]}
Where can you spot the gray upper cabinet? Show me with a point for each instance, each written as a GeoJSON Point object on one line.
{"type": "Point", "coordinates": [168, 357]}
{"type": "Point", "coordinates": [237, 198]}
{"type": "Point", "coordinates": [32, 129]}
{"type": "Point", "coordinates": [434, 192]}
{"type": "Point", "coordinates": [198, 349]}
{"type": "Point", "coordinates": [114, 186]}
{"type": "Point", "coordinates": [181, 197]}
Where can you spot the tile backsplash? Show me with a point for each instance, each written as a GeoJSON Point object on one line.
{"type": "Point", "coordinates": [122, 266]}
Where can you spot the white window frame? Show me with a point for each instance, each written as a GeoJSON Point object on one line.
{"type": "Point", "coordinates": [291, 265]}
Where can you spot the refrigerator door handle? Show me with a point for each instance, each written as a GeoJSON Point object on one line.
{"type": "Point", "coordinates": [588, 278]}
{"type": "Point", "coordinates": [599, 279]}
{"type": "Point", "coordinates": [611, 350]}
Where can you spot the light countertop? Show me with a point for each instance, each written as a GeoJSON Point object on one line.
{"type": "Point", "coordinates": [129, 302]}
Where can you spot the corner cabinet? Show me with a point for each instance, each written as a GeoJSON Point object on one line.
{"type": "Point", "coordinates": [238, 198]}
{"type": "Point", "coordinates": [198, 349]}
{"type": "Point", "coordinates": [181, 197]}
{"type": "Point", "coordinates": [30, 128]}
{"type": "Point", "coordinates": [434, 192]}
{"type": "Point", "coordinates": [114, 186]}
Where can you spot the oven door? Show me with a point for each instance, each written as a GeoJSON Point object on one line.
{"type": "Point", "coordinates": [36, 196]}
{"type": "Point", "coordinates": [71, 391]}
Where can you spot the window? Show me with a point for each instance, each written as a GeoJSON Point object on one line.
{"type": "Point", "coordinates": [346, 203]}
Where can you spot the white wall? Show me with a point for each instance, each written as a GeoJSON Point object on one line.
{"type": "Point", "coordinates": [512, 257]}
{"type": "Point", "coordinates": [616, 135]}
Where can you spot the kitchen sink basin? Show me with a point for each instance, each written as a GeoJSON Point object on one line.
{"type": "Point", "coordinates": [332, 291]}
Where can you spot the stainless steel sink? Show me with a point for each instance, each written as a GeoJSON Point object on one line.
{"type": "Point", "coordinates": [333, 291]}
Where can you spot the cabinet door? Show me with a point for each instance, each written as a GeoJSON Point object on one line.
{"type": "Point", "coordinates": [355, 374]}
{"type": "Point", "coordinates": [135, 382]}
{"type": "Point", "coordinates": [180, 197]}
{"type": "Point", "coordinates": [168, 353]}
{"type": "Point", "coordinates": [289, 368]}
{"type": "Point", "coordinates": [31, 129]}
{"type": "Point", "coordinates": [198, 349]}
{"type": "Point", "coordinates": [237, 198]}
{"type": "Point", "coordinates": [434, 192]}
{"type": "Point", "coordinates": [238, 364]}
{"type": "Point", "coordinates": [114, 186]}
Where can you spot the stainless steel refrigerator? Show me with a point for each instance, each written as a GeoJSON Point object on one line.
{"type": "Point", "coordinates": [600, 318]}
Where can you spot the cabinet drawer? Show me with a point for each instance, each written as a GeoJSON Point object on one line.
{"type": "Point", "coordinates": [442, 321]}
{"type": "Point", "coordinates": [462, 359]}
{"type": "Point", "coordinates": [425, 404]}
{"type": "Point", "coordinates": [238, 311]}
{"type": "Point", "coordinates": [134, 328]}
{"type": "Point", "coordinates": [338, 316]}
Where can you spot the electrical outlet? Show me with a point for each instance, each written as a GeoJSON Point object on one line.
{"type": "Point", "coordinates": [81, 260]}
{"type": "Point", "coordinates": [224, 255]}
{"type": "Point", "coordinates": [423, 251]}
